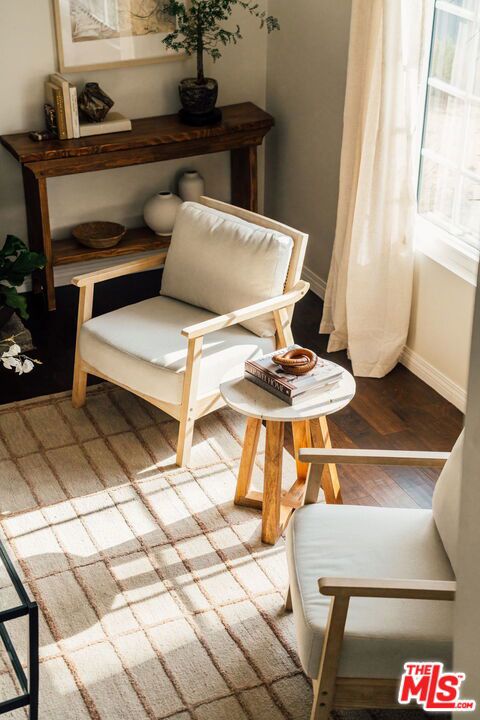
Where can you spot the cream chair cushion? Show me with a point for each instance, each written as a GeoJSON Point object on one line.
{"type": "Point", "coordinates": [222, 263]}
{"type": "Point", "coordinates": [446, 501]}
{"type": "Point", "coordinates": [368, 542]}
{"type": "Point", "coordinates": [141, 346]}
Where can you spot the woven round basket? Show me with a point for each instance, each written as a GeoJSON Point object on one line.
{"type": "Point", "coordinates": [99, 235]}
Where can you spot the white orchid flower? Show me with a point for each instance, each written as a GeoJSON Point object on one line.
{"type": "Point", "coordinates": [11, 362]}
{"type": "Point", "coordinates": [12, 351]}
{"type": "Point", "coordinates": [27, 365]}
{"type": "Point", "coordinates": [14, 359]}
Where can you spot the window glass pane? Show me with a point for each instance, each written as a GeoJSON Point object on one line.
{"type": "Point", "coordinates": [449, 182]}
{"type": "Point", "coordinates": [444, 123]}
{"type": "Point", "coordinates": [437, 191]}
{"type": "Point", "coordinates": [469, 211]}
{"type": "Point", "coordinates": [472, 154]}
{"type": "Point", "coordinates": [452, 49]}
{"type": "Point", "coordinates": [466, 4]}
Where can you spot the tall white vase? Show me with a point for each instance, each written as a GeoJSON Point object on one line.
{"type": "Point", "coordinates": [191, 186]}
{"type": "Point", "coordinates": [160, 212]}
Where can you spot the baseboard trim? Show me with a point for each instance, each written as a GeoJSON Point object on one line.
{"type": "Point", "coordinates": [434, 378]}
{"type": "Point", "coordinates": [317, 284]}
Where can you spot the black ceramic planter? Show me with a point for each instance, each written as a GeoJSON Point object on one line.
{"type": "Point", "coordinates": [198, 101]}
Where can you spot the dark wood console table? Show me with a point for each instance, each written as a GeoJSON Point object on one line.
{"type": "Point", "coordinates": [242, 129]}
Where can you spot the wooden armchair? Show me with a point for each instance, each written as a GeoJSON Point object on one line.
{"type": "Point", "coordinates": [371, 587]}
{"type": "Point", "coordinates": [230, 282]}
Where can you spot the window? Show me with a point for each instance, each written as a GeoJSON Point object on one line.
{"type": "Point", "coordinates": [449, 179]}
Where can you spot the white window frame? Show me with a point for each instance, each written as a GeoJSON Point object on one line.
{"type": "Point", "coordinates": [431, 239]}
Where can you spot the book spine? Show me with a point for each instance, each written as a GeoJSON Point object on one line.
{"type": "Point", "coordinates": [60, 113]}
{"type": "Point", "coordinates": [74, 108]}
{"type": "Point", "coordinates": [63, 84]}
{"type": "Point", "coordinates": [268, 388]}
{"type": "Point", "coordinates": [266, 378]}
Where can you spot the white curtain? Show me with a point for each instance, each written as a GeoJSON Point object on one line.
{"type": "Point", "coordinates": [368, 297]}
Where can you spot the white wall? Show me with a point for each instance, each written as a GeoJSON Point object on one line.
{"type": "Point", "coordinates": [441, 324]}
{"type": "Point", "coordinates": [307, 62]}
{"type": "Point", "coordinates": [27, 56]}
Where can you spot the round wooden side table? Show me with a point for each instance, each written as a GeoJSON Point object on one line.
{"type": "Point", "coordinates": [309, 429]}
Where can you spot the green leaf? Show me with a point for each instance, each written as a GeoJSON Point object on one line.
{"type": "Point", "coordinates": [12, 299]}
{"type": "Point", "coordinates": [200, 24]}
{"type": "Point", "coordinates": [17, 261]}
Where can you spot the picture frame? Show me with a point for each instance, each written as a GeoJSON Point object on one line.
{"type": "Point", "coordinates": [103, 34]}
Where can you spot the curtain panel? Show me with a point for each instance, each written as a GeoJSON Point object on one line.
{"type": "Point", "coordinates": [369, 289]}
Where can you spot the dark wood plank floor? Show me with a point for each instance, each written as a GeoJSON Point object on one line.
{"type": "Point", "coordinates": [398, 411]}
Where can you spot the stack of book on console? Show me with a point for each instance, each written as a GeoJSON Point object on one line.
{"type": "Point", "coordinates": [61, 96]}
{"type": "Point", "coordinates": [291, 388]}
{"type": "Point", "coordinates": [61, 110]}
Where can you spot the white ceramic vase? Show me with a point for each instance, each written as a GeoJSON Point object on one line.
{"type": "Point", "coordinates": [191, 186]}
{"type": "Point", "coordinates": [160, 212]}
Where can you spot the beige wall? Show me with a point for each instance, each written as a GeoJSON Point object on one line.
{"type": "Point", "coordinates": [27, 56]}
{"type": "Point", "coordinates": [441, 324]}
{"type": "Point", "coordinates": [307, 64]}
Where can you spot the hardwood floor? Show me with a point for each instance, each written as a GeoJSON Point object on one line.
{"type": "Point", "coordinates": [398, 411]}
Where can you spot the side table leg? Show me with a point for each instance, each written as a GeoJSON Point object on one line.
{"type": "Point", "coordinates": [250, 444]}
{"type": "Point", "coordinates": [330, 483]}
{"type": "Point", "coordinates": [301, 439]}
{"type": "Point", "coordinates": [272, 488]}
{"type": "Point", "coordinates": [243, 174]}
{"type": "Point", "coordinates": [38, 223]}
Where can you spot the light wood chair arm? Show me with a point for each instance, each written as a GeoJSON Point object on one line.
{"type": "Point", "coordinates": [325, 456]}
{"type": "Point", "coordinates": [146, 263]}
{"type": "Point", "coordinates": [388, 588]}
{"type": "Point", "coordinates": [247, 313]}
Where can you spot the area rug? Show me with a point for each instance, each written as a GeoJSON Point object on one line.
{"type": "Point", "coordinates": [157, 598]}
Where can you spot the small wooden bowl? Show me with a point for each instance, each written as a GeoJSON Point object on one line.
{"type": "Point", "coordinates": [99, 235]}
{"type": "Point", "coordinates": [297, 362]}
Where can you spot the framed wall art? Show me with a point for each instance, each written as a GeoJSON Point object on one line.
{"type": "Point", "coordinates": [96, 34]}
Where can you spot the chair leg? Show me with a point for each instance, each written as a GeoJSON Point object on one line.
{"type": "Point", "coordinates": [185, 439]}
{"type": "Point", "coordinates": [85, 305]}
{"type": "Point", "coordinates": [79, 389]}
{"type": "Point", "coordinates": [189, 400]}
{"type": "Point", "coordinates": [322, 706]}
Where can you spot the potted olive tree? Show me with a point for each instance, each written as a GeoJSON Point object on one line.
{"type": "Point", "coordinates": [200, 31]}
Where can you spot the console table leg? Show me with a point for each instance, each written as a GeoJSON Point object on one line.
{"type": "Point", "coordinates": [38, 223]}
{"type": "Point", "coordinates": [244, 177]}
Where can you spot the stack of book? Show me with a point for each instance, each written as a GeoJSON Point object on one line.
{"type": "Point", "coordinates": [63, 119]}
{"type": "Point", "coordinates": [291, 388]}
{"type": "Point", "coordinates": [61, 96]}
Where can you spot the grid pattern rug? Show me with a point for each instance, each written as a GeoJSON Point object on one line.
{"type": "Point", "coordinates": [157, 598]}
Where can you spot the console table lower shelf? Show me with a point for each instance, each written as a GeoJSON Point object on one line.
{"type": "Point", "coordinates": [25, 607]}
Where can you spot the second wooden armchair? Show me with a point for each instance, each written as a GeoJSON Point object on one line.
{"type": "Point", "coordinates": [372, 587]}
{"type": "Point", "coordinates": [230, 282]}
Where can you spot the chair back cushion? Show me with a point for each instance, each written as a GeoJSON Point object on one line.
{"type": "Point", "coordinates": [446, 502]}
{"type": "Point", "coordinates": [222, 263]}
